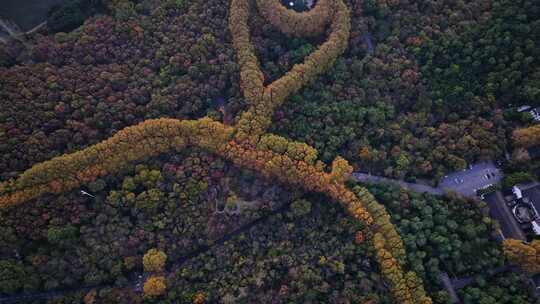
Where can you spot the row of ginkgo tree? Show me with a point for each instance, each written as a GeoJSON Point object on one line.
{"type": "Point", "coordinates": [263, 100]}
{"type": "Point", "coordinates": [245, 145]}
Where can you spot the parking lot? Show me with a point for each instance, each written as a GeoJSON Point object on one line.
{"type": "Point", "coordinates": [468, 181]}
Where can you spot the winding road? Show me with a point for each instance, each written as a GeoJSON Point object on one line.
{"type": "Point", "coordinates": [464, 183]}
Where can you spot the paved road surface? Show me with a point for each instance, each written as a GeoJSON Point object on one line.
{"type": "Point", "coordinates": [368, 178]}
{"type": "Point", "coordinates": [466, 182]}
{"type": "Point", "coordinates": [451, 285]}
{"type": "Point", "coordinates": [447, 283]}
{"type": "Point", "coordinates": [26, 13]}
{"type": "Point", "coordinates": [500, 211]}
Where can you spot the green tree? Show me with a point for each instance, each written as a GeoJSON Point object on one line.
{"type": "Point", "coordinates": [12, 276]}
{"type": "Point", "coordinates": [61, 235]}
{"type": "Point", "coordinates": [301, 207]}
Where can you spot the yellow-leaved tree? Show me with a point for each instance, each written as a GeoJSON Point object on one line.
{"type": "Point", "coordinates": [154, 260]}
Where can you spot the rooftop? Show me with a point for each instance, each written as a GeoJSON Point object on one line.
{"type": "Point", "coordinates": [535, 113]}
{"type": "Point", "coordinates": [523, 108]}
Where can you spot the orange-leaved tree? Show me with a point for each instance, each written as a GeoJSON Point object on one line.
{"type": "Point", "coordinates": [154, 286]}
{"type": "Point", "coordinates": [524, 255]}
{"type": "Point", "coordinates": [527, 137]}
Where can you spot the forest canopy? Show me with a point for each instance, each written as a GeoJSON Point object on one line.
{"type": "Point", "coordinates": [202, 151]}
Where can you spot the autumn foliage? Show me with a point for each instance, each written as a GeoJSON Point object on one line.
{"type": "Point", "coordinates": [199, 298]}
{"type": "Point", "coordinates": [251, 76]}
{"type": "Point", "coordinates": [527, 137]}
{"type": "Point", "coordinates": [341, 170]}
{"type": "Point", "coordinates": [155, 286]}
{"type": "Point", "coordinates": [264, 100]}
{"type": "Point", "coordinates": [246, 145]}
{"type": "Point", "coordinates": [526, 256]}
{"type": "Point", "coordinates": [154, 260]}
{"type": "Point", "coordinates": [139, 142]}
{"type": "Point", "coordinates": [393, 242]}
{"type": "Point", "coordinates": [406, 288]}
